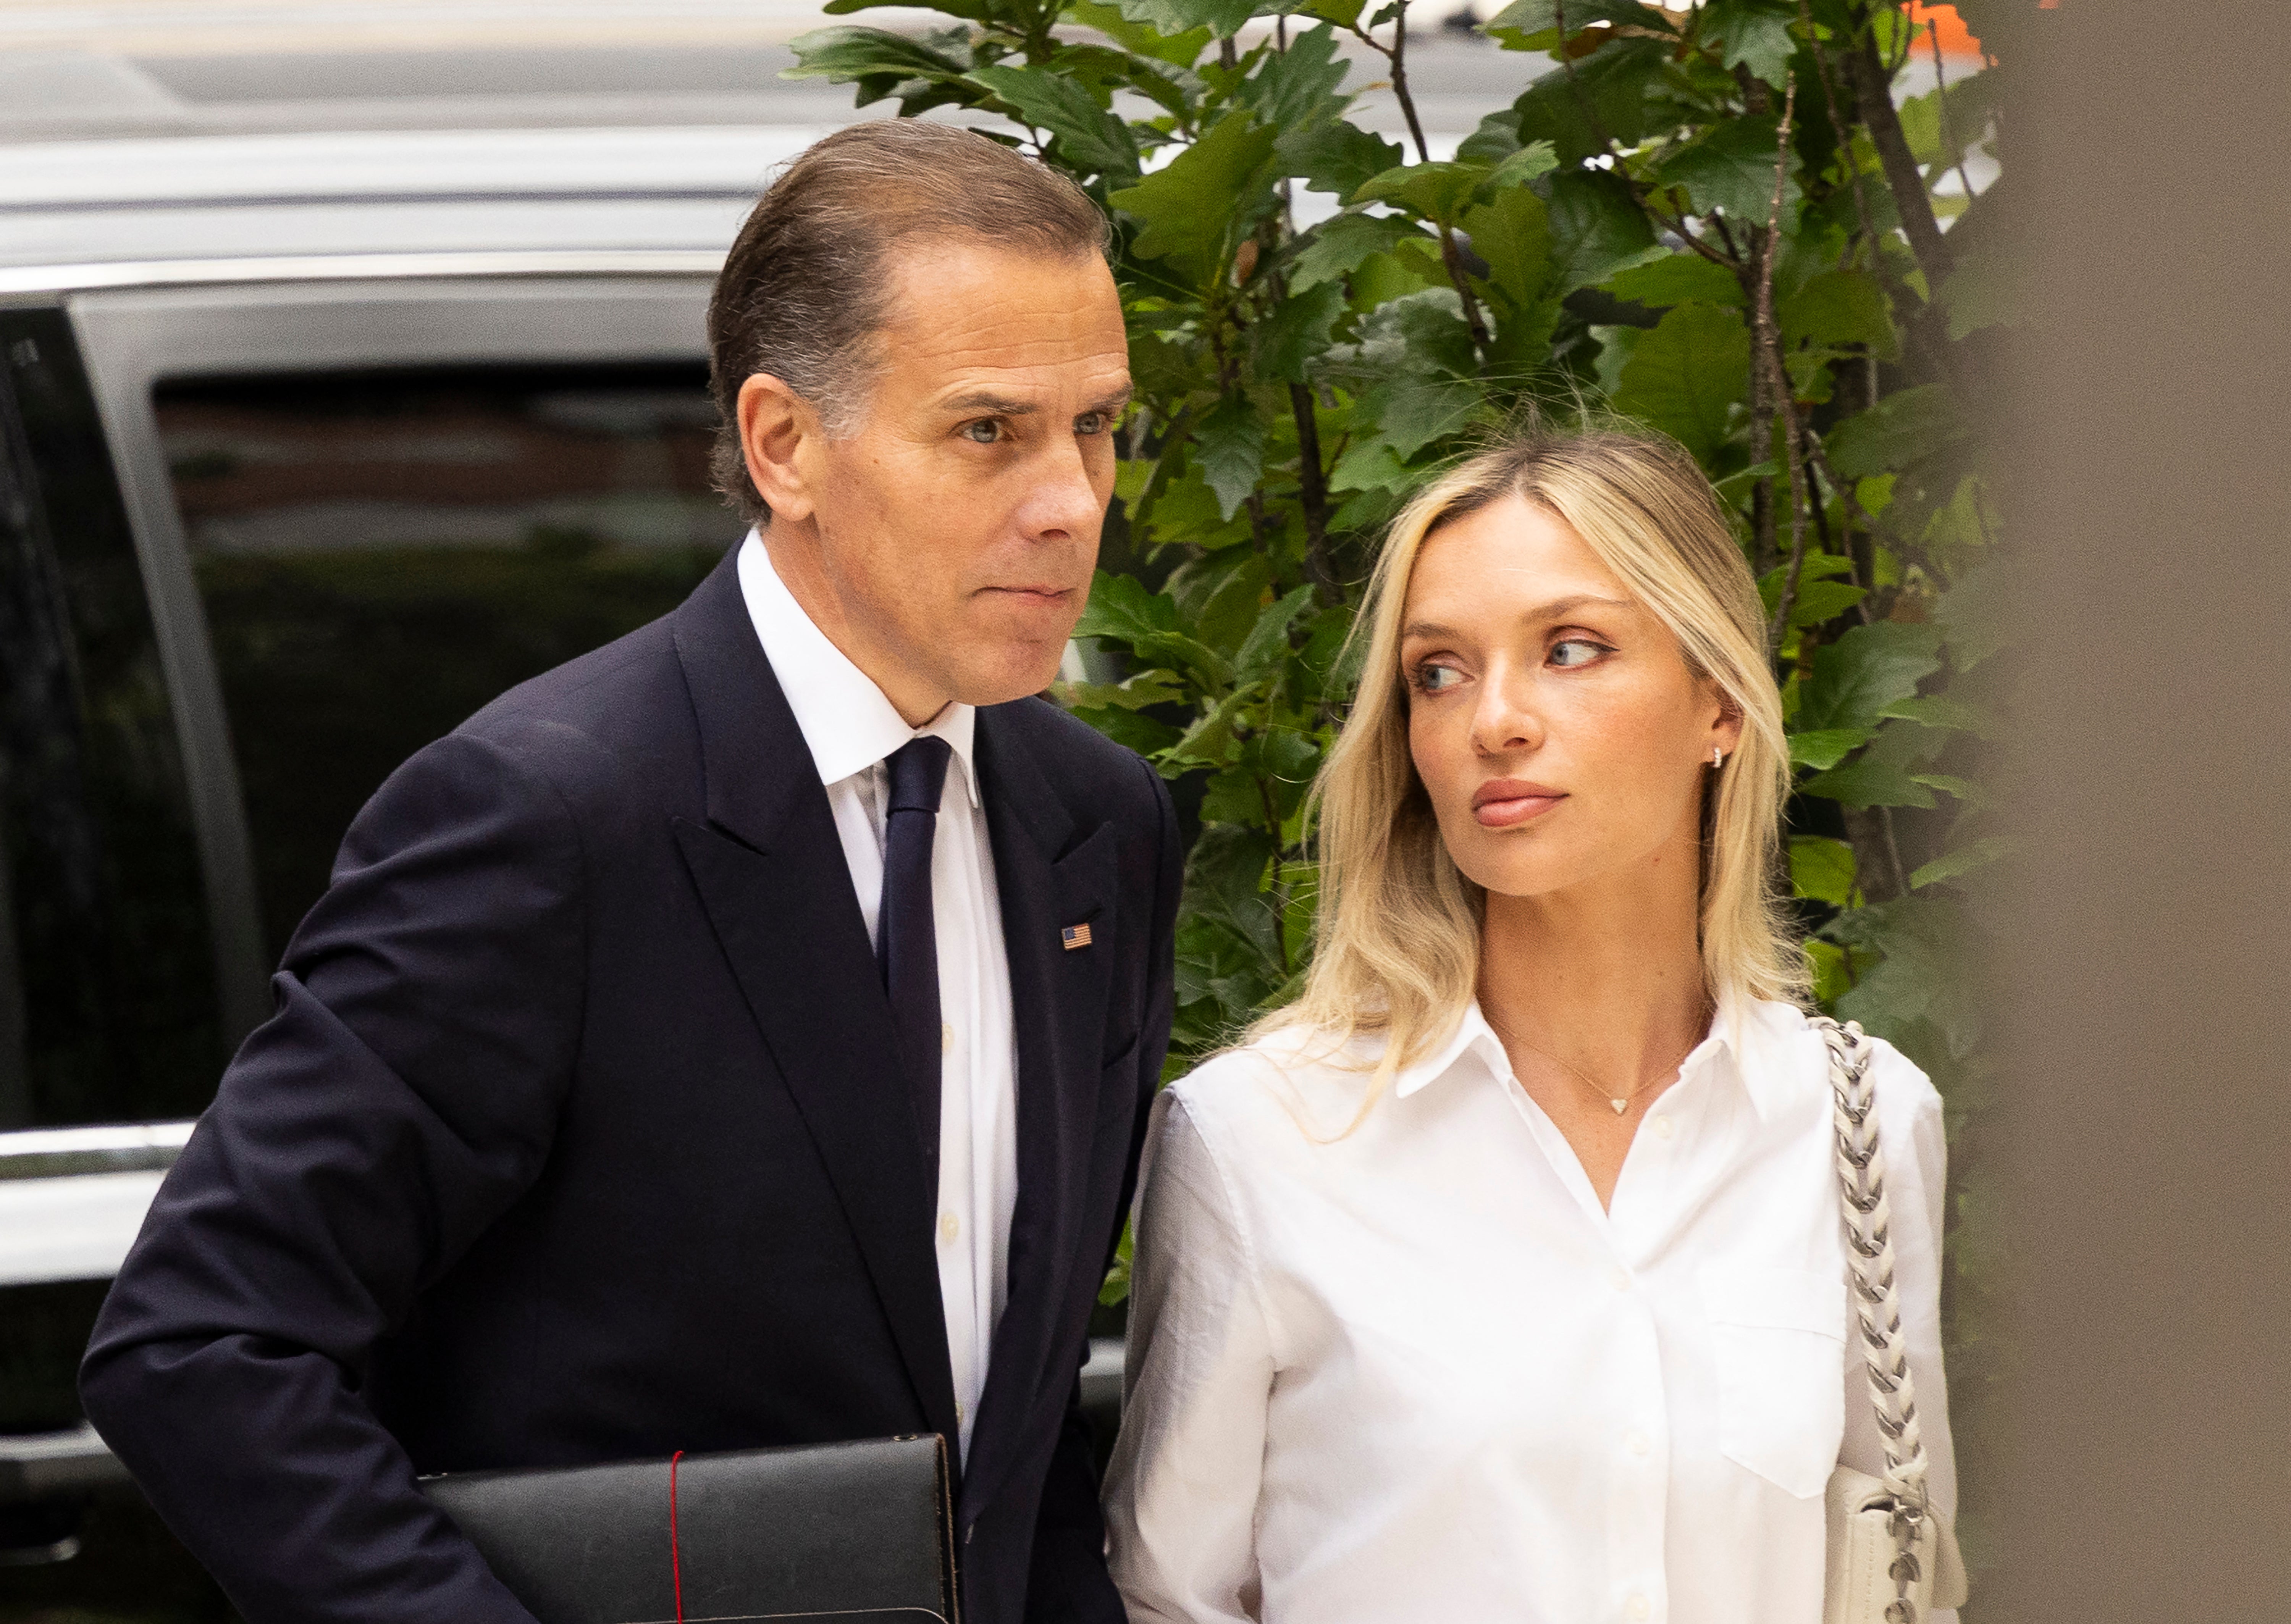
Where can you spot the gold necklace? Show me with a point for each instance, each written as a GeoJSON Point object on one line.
{"type": "Point", "coordinates": [1621, 1104]}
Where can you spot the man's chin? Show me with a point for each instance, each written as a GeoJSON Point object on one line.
{"type": "Point", "coordinates": [1021, 673]}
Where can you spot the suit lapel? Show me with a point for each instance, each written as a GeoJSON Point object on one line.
{"type": "Point", "coordinates": [772, 876]}
{"type": "Point", "coordinates": [1049, 874]}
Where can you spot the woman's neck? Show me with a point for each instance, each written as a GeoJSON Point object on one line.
{"type": "Point", "coordinates": [1606, 980]}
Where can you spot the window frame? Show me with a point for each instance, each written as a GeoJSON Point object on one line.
{"type": "Point", "coordinates": [132, 340]}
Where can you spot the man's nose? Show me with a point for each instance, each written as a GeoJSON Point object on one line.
{"type": "Point", "coordinates": [1062, 501]}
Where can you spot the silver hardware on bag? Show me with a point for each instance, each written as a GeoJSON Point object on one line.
{"type": "Point", "coordinates": [1892, 1558]}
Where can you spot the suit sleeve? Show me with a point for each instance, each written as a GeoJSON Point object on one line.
{"type": "Point", "coordinates": [1068, 1583]}
{"type": "Point", "coordinates": [404, 1094]}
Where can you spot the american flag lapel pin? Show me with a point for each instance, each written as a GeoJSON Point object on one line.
{"type": "Point", "coordinates": [1074, 935]}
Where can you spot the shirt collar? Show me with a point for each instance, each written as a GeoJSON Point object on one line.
{"type": "Point", "coordinates": [846, 723]}
{"type": "Point", "coordinates": [1738, 1033]}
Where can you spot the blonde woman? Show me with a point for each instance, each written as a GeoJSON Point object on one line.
{"type": "Point", "coordinates": [1500, 1277]}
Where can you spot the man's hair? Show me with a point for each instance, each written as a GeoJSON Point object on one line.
{"type": "Point", "coordinates": [805, 292]}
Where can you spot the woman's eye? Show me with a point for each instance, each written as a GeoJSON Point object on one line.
{"type": "Point", "coordinates": [1575, 651]}
{"type": "Point", "coordinates": [986, 431]}
{"type": "Point", "coordinates": [1435, 679]}
{"type": "Point", "coordinates": [1090, 422]}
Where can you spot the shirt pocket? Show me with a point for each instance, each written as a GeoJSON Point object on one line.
{"type": "Point", "coordinates": [1778, 1343]}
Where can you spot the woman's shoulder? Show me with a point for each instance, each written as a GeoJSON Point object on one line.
{"type": "Point", "coordinates": [1905, 1094]}
{"type": "Point", "coordinates": [1275, 1091]}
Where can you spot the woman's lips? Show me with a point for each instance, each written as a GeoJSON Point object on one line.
{"type": "Point", "coordinates": [1502, 802]}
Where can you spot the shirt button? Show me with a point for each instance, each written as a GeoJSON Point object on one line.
{"type": "Point", "coordinates": [946, 1037]}
{"type": "Point", "coordinates": [950, 1227]}
{"type": "Point", "coordinates": [1621, 1280]}
{"type": "Point", "coordinates": [1639, 1606]}
{"type": "Point", "coordinates": [1662, 1128]}
{"type": "Point", "coordinates": [1637, 1442]}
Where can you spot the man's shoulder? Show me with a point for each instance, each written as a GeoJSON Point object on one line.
{"type": "Point", "coordinates": [1087, 769]}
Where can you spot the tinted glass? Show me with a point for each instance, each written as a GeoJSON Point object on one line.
{"type": "Point", "coordinates": [382, 554]}
{"type": "Point", "coordinates": [107, 990]}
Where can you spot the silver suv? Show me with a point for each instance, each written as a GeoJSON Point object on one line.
{"type": "Point", "coordinates": [310, 445]}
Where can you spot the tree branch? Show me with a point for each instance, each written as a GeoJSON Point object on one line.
{"type": "Point", "coordinates": [1873, 89]}
{"type": "Point", "coordinates": [1313, 497]}
{"type": "Point", "coordinates": [1844, 131]}
{"type": "Point", "coordinates": [1768, 338]}
{"type": "Point", "coordinates": [1940, 106]}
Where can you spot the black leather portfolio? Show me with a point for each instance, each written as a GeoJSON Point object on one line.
{"type": "Point", "coordinates": [851, 1533]}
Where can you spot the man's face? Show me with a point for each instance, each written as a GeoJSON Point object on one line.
{"type": "Point", "coordinates": [953, 536]}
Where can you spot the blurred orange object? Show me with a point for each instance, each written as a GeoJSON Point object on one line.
{"type": "Point", "coordinates": [1956, 38]}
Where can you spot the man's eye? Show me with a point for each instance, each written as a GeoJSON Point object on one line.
{"type": "Point", "coordinates": [986, 431]}
{"type": "Point", "coordinates": [1090, 422]}
{"type": "Point", "coordinates": [1575, 651]}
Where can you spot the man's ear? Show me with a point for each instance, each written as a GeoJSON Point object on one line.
{"type": "Point", "coordinates": [777, 428]}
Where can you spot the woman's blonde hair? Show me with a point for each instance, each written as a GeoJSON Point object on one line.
{"type": "Point", "coordinates": [1397, 935]}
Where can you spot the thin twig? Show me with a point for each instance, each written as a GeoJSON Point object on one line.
{"type": "Point", "coordinates": [1313, 497]}
{"type": "Point", "coordinates": [1780, 390]}
{"type": "Point", "coordinates": [1940, 106]}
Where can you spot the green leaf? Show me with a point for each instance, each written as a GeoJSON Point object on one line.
{"type": "Point", "coordinates": [1333, 155]}
{"type": "Point", "coordinates": [1179, 50]}
{"type": "Point", "coordinates": [1221, 18]}
{"type": "Point", "coordinates": [1437, 191]}
{"type": "Point", "coordinates": [1825, 747]}
{"type": "Point", "coordinates": [1121, 607]}
{"type": "Point", "coordinates": [1963, 789]}
{"type": "Point", "coordinates": [1370, 465]}
{"type": "Point", "coordinates": [845, 55]}
{"type": "Point", "coordinates": [1148, 687]}
{"type": "Point", "coordinates": [1978, 854]}
{"type": "Point", "coordinates": [1820, 600]}
{"type": "Point", "coordinates": [1839, 307]}
{"type": "Point", "coordinates": [1827, 965]}
{"type": "Point", "coordinates": [1974, 614]}
{"type": "Point", "coordinates": [1869, 784]}
{"type": "Point", "coordinates": [1224, 884]}
{"type": "Point", "coordinates": [1941, 710]}
{"type": "Point", "coordinates": [1596, 229]}
{"type": "Point", "coordinates": [1299, 329]}
{"type": "Point", "coordinates": [1618, 92]}
{"type": "Point", "coordinates": [1898, 433]}
{"type": "Point", "coordinates": [1928, 972]}
{"type": "Point", "coordinates": [1229, 450]}
{"type": "Point", "coordinates": [1511, 232]}
{"type": "Point", "coordinates": [1685, 377]}
{"type": "Point", "coordinates": [1496, 138]}
{"type": "Point", "coordinates": [1676, 278]}
{"type": "Point", "coordinates": [1822, 868]}
{"type": "Point", "coordinates": [1869, 668]}
{"type": "Point", "coordinates": [1759, 38]}
{"type": "Point", "coordinates": [1090, 140]}
{"type": "Point", "coordinates": [1338, 246]}
{"type": "Point", "coordinates": [1192, 206]}
{"type": "Point", "coordinates": [1297, 84]}
{"type": "Point", "coordinates": [1976, 295]}
{"type": "Point", "coordinates": [1268, 643]}
{"type": "Point", "coordinates": [1529, 16]}
{"type": "Point", "coordinates": [1730, 169]}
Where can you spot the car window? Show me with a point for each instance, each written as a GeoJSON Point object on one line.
{"type": "Point", "coordinates": [381, 553]}
{"type": "Point", "coordinates": [107, 1008]}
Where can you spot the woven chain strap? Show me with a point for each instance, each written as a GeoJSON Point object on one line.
{"type": "Point", "coordinates": [1877, 1305]}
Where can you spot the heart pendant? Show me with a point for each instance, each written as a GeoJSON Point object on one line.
{"type": "Point", "coordinates": [1619, 1105]}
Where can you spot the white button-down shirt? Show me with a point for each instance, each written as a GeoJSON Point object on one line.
{"type": "Point", "coordinates": [850, 729]}
{"type": "Point", "coordinates": [1416, 1372]}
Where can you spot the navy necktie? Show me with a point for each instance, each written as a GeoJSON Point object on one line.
{"type": "Point", "coordinates": [906, 938]}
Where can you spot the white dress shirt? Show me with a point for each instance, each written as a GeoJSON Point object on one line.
{"type": "Point", "coordinates": [850, 729]}
{"type": "Point", "coordinates": [1416, 1372]}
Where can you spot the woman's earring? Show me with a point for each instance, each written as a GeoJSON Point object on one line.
{"type": "Point", "coordinates": [1717, 757]}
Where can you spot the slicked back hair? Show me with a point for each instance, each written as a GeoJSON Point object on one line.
{"type": "Point", "coordinates": [805, 292]}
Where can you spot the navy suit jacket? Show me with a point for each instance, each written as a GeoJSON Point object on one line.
{"type": "Point", "coordinates": [579, 1135]}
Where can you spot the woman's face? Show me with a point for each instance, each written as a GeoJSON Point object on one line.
{"type": "Point", "coordinates": [1552, 719]}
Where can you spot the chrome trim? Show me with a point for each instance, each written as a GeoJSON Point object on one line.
{"type": "Point", "coordinates": [43, 1465]}
{"type": "Point", "coordinates": [339, 266]}
{"type": "Point", "coordinates": [52, 1152]}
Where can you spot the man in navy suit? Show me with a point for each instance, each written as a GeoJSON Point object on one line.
{"type": "Point", "coordinates": [741, 1035]}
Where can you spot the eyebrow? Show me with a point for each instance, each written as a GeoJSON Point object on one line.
{"type": "Point", "coordinates": [1557, 609]}
{"type": "Point", "coordinates": [1003, 406]}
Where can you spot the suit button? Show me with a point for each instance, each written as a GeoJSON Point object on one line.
{"type": "Point", "coordinates": [950, 1227]}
